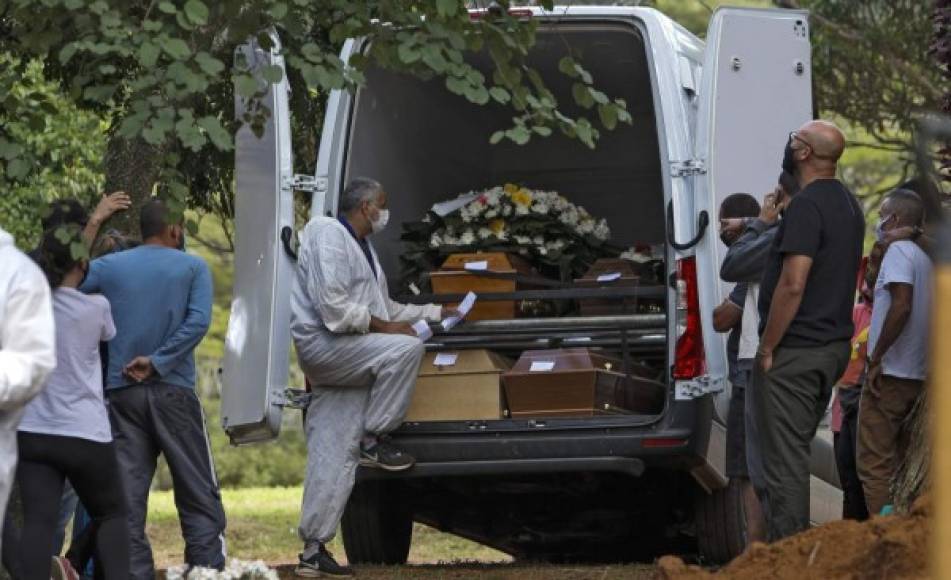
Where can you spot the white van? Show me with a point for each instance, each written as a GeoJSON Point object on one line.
{"type": "Point", "coordinates": [709, 119]}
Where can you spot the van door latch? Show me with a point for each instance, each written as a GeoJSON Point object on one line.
{"type": "Point", "coordinates": [687, 168]}
{"type": "Point", "coordinates": [307, 183]}
{"type": "Point", "coordinates": [698, 387]}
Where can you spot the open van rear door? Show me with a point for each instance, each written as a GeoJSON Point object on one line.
{"type": "Point", "coordinates": [756, 87]}
{"type": "Point", "coordinates": [257, 345]}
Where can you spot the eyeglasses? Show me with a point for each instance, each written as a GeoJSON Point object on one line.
{"type": "Point", "coordinates": [795, 135]}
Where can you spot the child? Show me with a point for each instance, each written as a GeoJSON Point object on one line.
{"type": "Point", "coordinates": [65, 430]}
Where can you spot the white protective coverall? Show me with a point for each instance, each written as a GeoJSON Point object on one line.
{"type": "Point", "coordinates": [27, 349]}
{"type": "Point", "coordinates": [361, 382]}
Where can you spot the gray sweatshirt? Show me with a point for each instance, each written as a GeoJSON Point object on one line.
{"type": "Point", "coordinates": [746, 258]}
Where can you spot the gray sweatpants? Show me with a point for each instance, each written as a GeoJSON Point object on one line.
{"type": "Point", "coordinates": [155, 418]}
{"type": "Point", "coordinates": [789, 401]}
{"type": "Point", "coordinates": [361, 384]}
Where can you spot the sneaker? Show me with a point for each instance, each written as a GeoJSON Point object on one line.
{"type": "Point", "coordinates": [62, 569]}
{"type": "Point", "coordinates": [385, 455]}
{"type": "Point", "coordinates": [322, 565]}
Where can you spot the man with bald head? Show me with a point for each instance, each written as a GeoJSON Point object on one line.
{"type": "Point", "coordinates": [805, 303]}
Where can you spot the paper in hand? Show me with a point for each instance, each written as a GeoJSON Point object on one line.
{"type": "Point", "coordinates": [464, 307]}
{"type": "Point", "coordinates": [422, 330]}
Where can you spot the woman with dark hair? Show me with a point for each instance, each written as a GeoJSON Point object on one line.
{"type": "Point", "coordinates": [65, 431]}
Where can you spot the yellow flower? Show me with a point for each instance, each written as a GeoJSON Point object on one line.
{"type": "Point", "coordinates": [497, 226]}
{"type": "Point", "coordinates": [522, 197]}
{"type": "Point", "coordinates": [510, 188]}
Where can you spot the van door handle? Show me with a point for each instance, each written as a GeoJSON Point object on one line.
{"type": "Point", "coordinates": [702, 222]}
{"type": "Point", "coordinates": [287, 235]}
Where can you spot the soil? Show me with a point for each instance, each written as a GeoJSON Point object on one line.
{"type": "Point", "coordinates": [884, 547]}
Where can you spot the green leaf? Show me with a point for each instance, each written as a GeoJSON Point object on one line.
{"type": "Point", "coordinates": [608, 115]}
{"type": "Point", "coordinates": [209, 64]}
{"type": "Point", "coordinates": [408, 54]}
{"type": "Point", "coordinates": [497, 137]}
{"type": "Point", "coordinates": [599, 97]}
{"type": "Point", "coordinates": [582, 95]}
{"type": "Point", "coordinates": [78, 250]}
{"type": "Point", "coordinates": [567, 66]}
{"type": "Point", "coordinates": [246, 85]}
{"type": "Point", "coordinates": [167, 7]}
{"type": "Point", "coordinates": [67, 53]}
{"type": "Point", "coordinates": [151, 25]}
{"type": "Point", "coordinates": [148, 54]}
{"type": "Point", "coordinates": [519, 134]}
{"type": "Point", "coordinates": [500, 95]}
{"type": "Point", "coordinates": [196, 11]}
{"type": "Point", "coordinates": [278, 11]}
{"type": "Point", "coordinates": [456, 86]}
{"type": "Point", "coordinates": [272, 73]}
{"type": "Point", "coordinates": [18, 168]}
{"type": "Point", "coordinates": [542, 130]}
{"type": "Point", "coordinates": [217, 133]}
{"type": "Point", "coordinates": [176, 48]}
{"type": "Point", "coordinates": [585, 75]}
{"type": "Point", "coordinates": [447, 7]}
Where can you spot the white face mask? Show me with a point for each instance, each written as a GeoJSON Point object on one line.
{"type": "Point", "coordinates": [377, 225]}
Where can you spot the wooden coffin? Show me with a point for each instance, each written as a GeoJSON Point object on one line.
{"type": "Point", "coordinates": [468, 389]}
{"type": "Point", "coordinates": [576, 382]}
{"type": "Point", "coordinates": [453, 278]}
{"type": "Point", "coordinates": [626, 277]}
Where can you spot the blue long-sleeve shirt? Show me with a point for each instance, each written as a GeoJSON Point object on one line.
{"type": "Point", "coordinates": [161, 303]}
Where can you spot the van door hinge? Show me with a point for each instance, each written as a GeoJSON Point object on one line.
{"type": "Point", "coordinates": [290, 398]}
{"type": "Point", "coordinates": [698, 387]}
{"type": "Point", "coordinates": [308, 183]}
{"type": "Point", "coordinates": [687, 168]}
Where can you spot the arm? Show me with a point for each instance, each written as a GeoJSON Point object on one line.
{"type": "Point", "coordinates": [27, 334]}
{"type": "Point", "coordinates": [108, 205]}
{"type": "Point", "coordinates": [786, 300]}
{"type": "Point", "coordinates": [193, 327]}
{"type": "Point", "coordinates": [746, 258]}
{"type": "Point", "coordinates": [326, 268]}
{"type": "Point", "coordinates": [92, 283]}
{"type": "Point", "coordinates": [727, 315]}
{"type": "Point", "coordinates": [895, 319]}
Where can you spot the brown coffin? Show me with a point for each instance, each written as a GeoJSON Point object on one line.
{"type": "Point", "coordinates": [605, 306]}
{"type": "Point", "coordinates": [452, 278]}
{"type": "Point", "coordinates": [469, 389]}
{"type": "Point", "coordinates": [580, 383]}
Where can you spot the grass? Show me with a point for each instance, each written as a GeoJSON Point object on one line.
{"type": "Point", "coordinates": [262, 525]}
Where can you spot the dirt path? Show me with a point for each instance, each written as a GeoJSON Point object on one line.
{"type": "Point", "coordinates": [463, 570]}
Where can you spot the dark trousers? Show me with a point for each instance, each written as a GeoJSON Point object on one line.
{"type": "Point", "coordinates": [45, 463]}
{"type": "Point", "coordinates": [789, 402]}
{"type": "Point", "coordinates": [157, 418]}
{"type": "Point", "coordinates": [853, 498]}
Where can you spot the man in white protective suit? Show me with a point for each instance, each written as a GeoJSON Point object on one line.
{"type": "Point", "coordinates": [360, 353]}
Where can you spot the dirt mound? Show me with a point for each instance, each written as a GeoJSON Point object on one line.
{"type": "Point", "coordinates": [884, 547]}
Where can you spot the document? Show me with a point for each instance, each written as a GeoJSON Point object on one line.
{"type": "Point", "coordinates": [422, 330]}
{"type": "Point", "coordinates": [477, 266]}
{"type": "Point", "coordinates": [609, 277]}
{"type": "Point", "coordinates": [542, 366]}
{"type": "Point", "coordinates": [445, 359]}
{"type": "Point", "coordinates": [464, 307]}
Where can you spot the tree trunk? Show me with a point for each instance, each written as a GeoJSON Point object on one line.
{"type": "Point", "coordinates": [911, 479]}
{"type": "Point", "coordinates": [132, 166]}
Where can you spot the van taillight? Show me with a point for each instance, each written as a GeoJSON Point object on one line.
{"type": "Point", "coordinates": [689, 361]}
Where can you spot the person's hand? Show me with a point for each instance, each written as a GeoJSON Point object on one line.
{"type": "Point", "coordinates": [772, 205]}
{"type": "Point", "coordinates": [110, 204]}
{"type": "Point", "coordinates": [731, 228]}
{"type": "Point", "coordinates": [901, 233]}
{"type": "Point", "coordinates": [764, 358]}
{"type": "Point", "coordinates": [139, 369]}
{"type": "Point", "coordinates": [386, 327]}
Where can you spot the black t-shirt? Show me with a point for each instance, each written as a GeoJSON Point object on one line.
{"type": "Point", "coordinates": [825, 222]}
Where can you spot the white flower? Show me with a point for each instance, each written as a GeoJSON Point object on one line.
{"type": "Point", "coordinates": [491, 214]}
{"type": "Point", "coordinates": [484, 233]}
{"type": "Point", "coordinates": [521, 210]}
{"type": "Point", "coordinates": [538, 240]}
{"type": "Point", "coordinates": [435, 241]}
{"type": "Point", "coordinates": [428, 218]}
{"type": "Point", "coordinates": [506, 210]}
{"type": "Point", "coordinates": [602, 231]}
{"type": "Point", "coordinates": [543, 250]}
{"type": "Point", "coordinates": [540, 207]}
{"type": "Point", "coordinates": [586, 226]}
{"type": "Point", "coordinates": [467, 238]}
{"type": "Point", "coordinates": [523, 240]}
{"type": "Point", "coordinates": [568, 217]}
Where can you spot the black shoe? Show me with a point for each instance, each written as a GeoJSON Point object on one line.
{"type": "Point", "coordinates": [385, 455]}
{"type": "Point", "coordinates": [322, 565]}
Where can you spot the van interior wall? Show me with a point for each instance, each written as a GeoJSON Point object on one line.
{"type": "Point", "coordinates": [426, 145]}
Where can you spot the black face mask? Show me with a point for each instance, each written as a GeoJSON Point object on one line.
{"type": "Point", "coordinates": [789, 159]}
